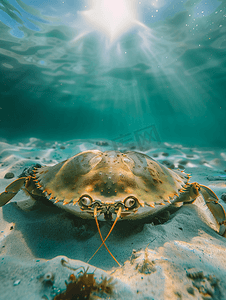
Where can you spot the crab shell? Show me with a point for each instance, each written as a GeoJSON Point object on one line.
{"type": "Point", "coordinates": [110, 177]}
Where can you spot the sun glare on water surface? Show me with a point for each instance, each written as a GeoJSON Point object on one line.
{"type": "Point", "coordinates": [112, 17]}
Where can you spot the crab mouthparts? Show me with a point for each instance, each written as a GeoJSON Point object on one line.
{"type": "Point", "coordinates": [108, 214]}
{"type": "Point", "coordinates": [106, 210]}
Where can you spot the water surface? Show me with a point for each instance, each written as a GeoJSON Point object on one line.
{"type": "Point", "coordinates": [63, 77]}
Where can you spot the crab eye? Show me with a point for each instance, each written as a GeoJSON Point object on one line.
{"type": "Point", "coordinates": [85, 200]}
{"type": "Point", "coordinates": [130, 202]}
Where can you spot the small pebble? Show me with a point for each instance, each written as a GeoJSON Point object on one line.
{"type": "Point", "coordinates": [168, 164]}
{"type": "Point", "coordinates": [16, 282]}
{"type": "Point", "coordinates": [183, 162]}
{"type": "Point", "coordinates": [9, 175]}
{"type": "Point", "coordinates": [181, 167]}
{"type": "Point", "coordinates": [165, 154]}
{"type": "Point", "coordinates": [190, 290]}
{"type": "Point", "coordinates": [178, 294]}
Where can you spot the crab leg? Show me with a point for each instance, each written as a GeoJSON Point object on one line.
{"type": "Point", "coordinates": [216, 208]}
{"type": "Point", "coordinates": [11, 190]}
{"type": "Point", "coordinates": [103, 240]}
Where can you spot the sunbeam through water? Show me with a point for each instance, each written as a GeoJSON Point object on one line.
{"type": "Point", "coordinates": [122, 65]}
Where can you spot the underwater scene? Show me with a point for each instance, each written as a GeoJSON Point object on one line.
{"type": "Point", "coordinates": [112, 149]}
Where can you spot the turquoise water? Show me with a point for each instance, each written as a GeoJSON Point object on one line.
{"type": "Point", "coordinates": [69, 72]}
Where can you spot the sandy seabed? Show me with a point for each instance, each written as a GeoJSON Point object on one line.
{"type": "Point", "coordinates": [182, 258]}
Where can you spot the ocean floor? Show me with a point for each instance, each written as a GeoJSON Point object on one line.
{"type": "Point", "coordinates": [42, 245]}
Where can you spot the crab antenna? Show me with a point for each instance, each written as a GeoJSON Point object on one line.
{"type": "Point", "coordinates": [103, 241]}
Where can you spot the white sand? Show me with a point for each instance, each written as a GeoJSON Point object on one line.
{"type": "Point", "coordinates": [156, 259]}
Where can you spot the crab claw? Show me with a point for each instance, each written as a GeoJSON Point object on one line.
{"type": "Point", "coordinates": [190, 193]}
{"type": "Point", "coordinates": [11, 190]}
{"type": "Point", "coordinates": [222, 230]}
{"type": "Point", "coordinates": [216, 208]}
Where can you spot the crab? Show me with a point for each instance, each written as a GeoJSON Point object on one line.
{"type": "Point", "coordinates": [112, 185]}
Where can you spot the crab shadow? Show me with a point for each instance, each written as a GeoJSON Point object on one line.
{"type": "Point", "coordinates": [48, 231]}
